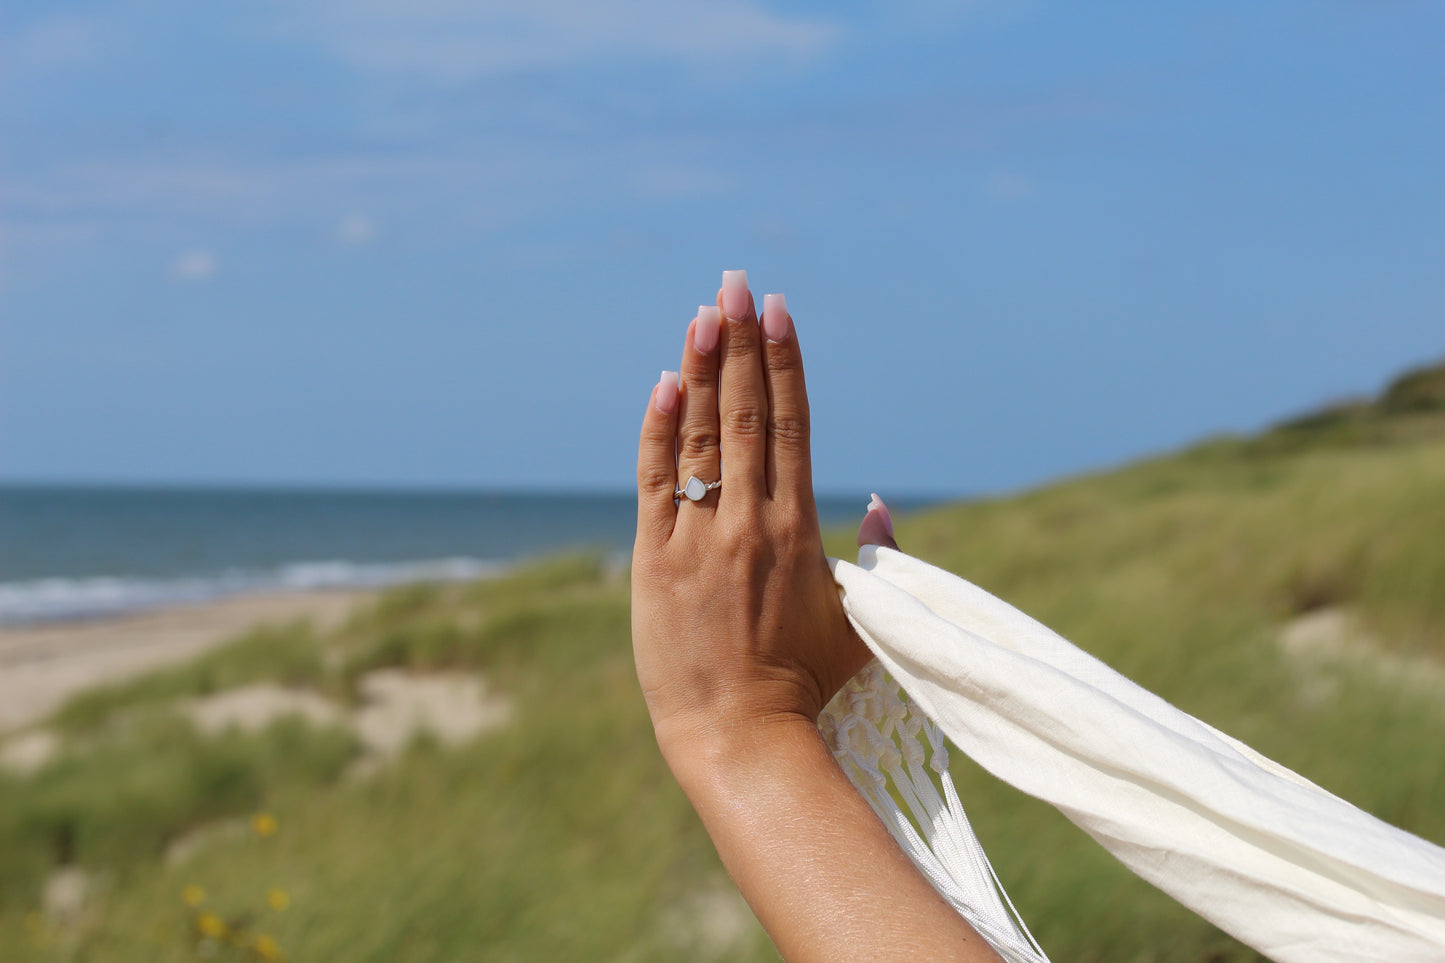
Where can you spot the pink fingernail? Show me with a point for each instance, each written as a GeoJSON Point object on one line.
{"type": "Point", "coordinates": [735, 294]}
{"type": "Point", "coordinates": [704, 333]}
{"type": "Point", "coordinates": [876, 504]}
{"type": "Point", "coordinates": [775, 317]}
{"type": "Point", "coordinates": [667, 392]}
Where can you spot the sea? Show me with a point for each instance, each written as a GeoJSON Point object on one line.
{"type": "Point", "coordinates": [77, 552]}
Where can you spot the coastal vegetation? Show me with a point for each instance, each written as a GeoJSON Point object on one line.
{"type": "Point", "coordinates": [1288, 588]}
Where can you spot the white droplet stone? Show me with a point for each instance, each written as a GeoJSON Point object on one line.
{"type": "Point", "coordinates": [694, 489]}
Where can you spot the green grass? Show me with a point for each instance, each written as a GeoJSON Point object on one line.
{"type": "Point", "coordinates": [114, 800]}
{"type": "Point", "coordinates": [559, 836]}
{"type": "Point", "coordinates": [562, 836]}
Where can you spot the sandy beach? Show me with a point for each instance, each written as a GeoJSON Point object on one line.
{"type": "Point", "coordinates": [43, 665]}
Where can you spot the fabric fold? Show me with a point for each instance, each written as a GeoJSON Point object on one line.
{"type": "Point", "coordinates": [1269, 857]}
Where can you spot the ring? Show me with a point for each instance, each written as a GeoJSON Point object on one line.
{"type": "Point", "coordinates": [696, 488]}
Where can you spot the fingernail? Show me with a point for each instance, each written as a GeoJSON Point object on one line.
{"type": "Point", "coordinates": [775, 317]}
{"type": "Point", "coordinates": [704, 333]}
{"type": "Point", "coordinates": [667, 392]}
{"type": "Point", "coordinates": [735, 294]}
{"type": "Point", "coordinates": [876, 504]}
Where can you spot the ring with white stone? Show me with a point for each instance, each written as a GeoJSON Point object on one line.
{"type": "Point", "coordinates": [696, 488]}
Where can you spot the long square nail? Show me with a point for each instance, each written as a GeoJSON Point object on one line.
{"type": "Point", "coordinates": [667, 387]}
{"type": "Point", "coordinates": [775, 317]}
{"type": "Point", "coordinates": [735, 295]}
{"type": "Point", "coordinates": [705, 329]}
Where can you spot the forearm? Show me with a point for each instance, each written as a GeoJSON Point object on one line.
{"type": "Point", "coordinates": [819, 869]}
{"type": "Point", "coordinates": [740, 637]}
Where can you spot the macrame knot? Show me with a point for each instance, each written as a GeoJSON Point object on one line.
{"type": "Point", "coordinates": [873, 729]}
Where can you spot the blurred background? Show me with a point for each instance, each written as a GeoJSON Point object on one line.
{"type": "Point", "coordinates": [326, 317]}
{"type": "Point", "coordinates": [446, 243]}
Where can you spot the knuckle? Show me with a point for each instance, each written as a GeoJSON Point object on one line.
{"type": "Point", "coordinates": [783, 362]}
{"type": "Point", "coordinates": [784, 524]}
{"type": "Point", "coordinates": [653, 479]}
{"type": "Point", "coordinates": [700, 372]}
{"type": "Point", "coordinates": [745, 421]}
{"type": "Point", "coordinates": [740, 335]}
{"type": "Point", "coordinates": [697, 445]}
{"type": "Point", "coordinates": [742, 540]}
{"type": "Point", "coordinates": [791, 429]}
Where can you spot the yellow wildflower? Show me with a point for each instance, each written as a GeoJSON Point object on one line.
{"type": "Point", "coordinates": [264, 824]}
{"type": "Point", "coordinates": [193, 896]}
{"type": "Point", "coordinates": [278, 899]}
{"type": "Point", "coordinates": [267, 948]}
{"type": "Point", "coordinates": [210, 925]}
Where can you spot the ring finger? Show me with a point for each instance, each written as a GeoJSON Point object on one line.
{"type": "Point", "coordinates": [697, 431]}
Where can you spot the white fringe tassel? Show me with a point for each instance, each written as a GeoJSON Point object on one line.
{"type": "Point", "coordinates": [874, 734]}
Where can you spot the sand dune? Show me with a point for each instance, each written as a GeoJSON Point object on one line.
{"type": "Point", "coordinates": [41, 666]}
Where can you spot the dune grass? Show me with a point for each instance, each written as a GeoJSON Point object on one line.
{"type": "Point", "coordinates": [1181, 574]}
{"type": "Point", "coordinates": [561, 836]}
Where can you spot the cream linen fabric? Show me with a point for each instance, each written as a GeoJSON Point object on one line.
{"type": "Point", "coordinates": [1287, 868]}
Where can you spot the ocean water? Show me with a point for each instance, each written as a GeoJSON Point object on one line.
{"type": "Point", "coordinates": [77, 552]}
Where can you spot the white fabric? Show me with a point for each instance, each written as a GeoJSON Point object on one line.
{"type": "Point", "coordinates": [1287, 868]}
{"type": "Point", "coordinates": [897, 758]}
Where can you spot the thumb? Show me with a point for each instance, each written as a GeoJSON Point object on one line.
{"type": "Point", "coordinates": [877, 527]}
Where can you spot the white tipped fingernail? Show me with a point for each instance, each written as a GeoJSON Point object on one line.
{"type": "Point", "coordinates": [775, 317]}
{"type": "Point", "coordinates": [735, 294]}
{"type": "Point", "coordinates": [704, 333]}
{"type": "Point", "coordinates": [667, 387]}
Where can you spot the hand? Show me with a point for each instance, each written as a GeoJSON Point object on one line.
{"type": "Point", "coordinates": [735, 617]}
{"type": "Point", "coordinates": [740, 640]}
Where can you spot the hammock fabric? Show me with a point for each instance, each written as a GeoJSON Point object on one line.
{"type": "Point", "coordinates": [1282, 865]}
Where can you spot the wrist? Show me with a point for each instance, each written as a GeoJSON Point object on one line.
{"type": "Point", "coordinates": [730, 716]}
{"type": "Point", "coordinates": [706, 755]}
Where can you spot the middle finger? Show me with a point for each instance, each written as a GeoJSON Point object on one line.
{"type": "Point", "coordinates": [742, 394]}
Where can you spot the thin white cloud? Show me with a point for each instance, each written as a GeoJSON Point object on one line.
{"type": "Point", "coordinates": [143, 195]}
{"type": "Point", "coordinates": [194, 266]}
{"type": "Point", "coordinates": [356, 230]}
{"type": "Point", "coordinates": [453, 41]}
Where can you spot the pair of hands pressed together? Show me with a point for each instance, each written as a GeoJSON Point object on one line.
{"type": "Point", "coordinates": [740, 640]}
{"type": "Point", "coordinates": [736, 620]}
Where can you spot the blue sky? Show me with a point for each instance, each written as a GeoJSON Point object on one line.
{"type": "Point", "coordinates": [433, 242]}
